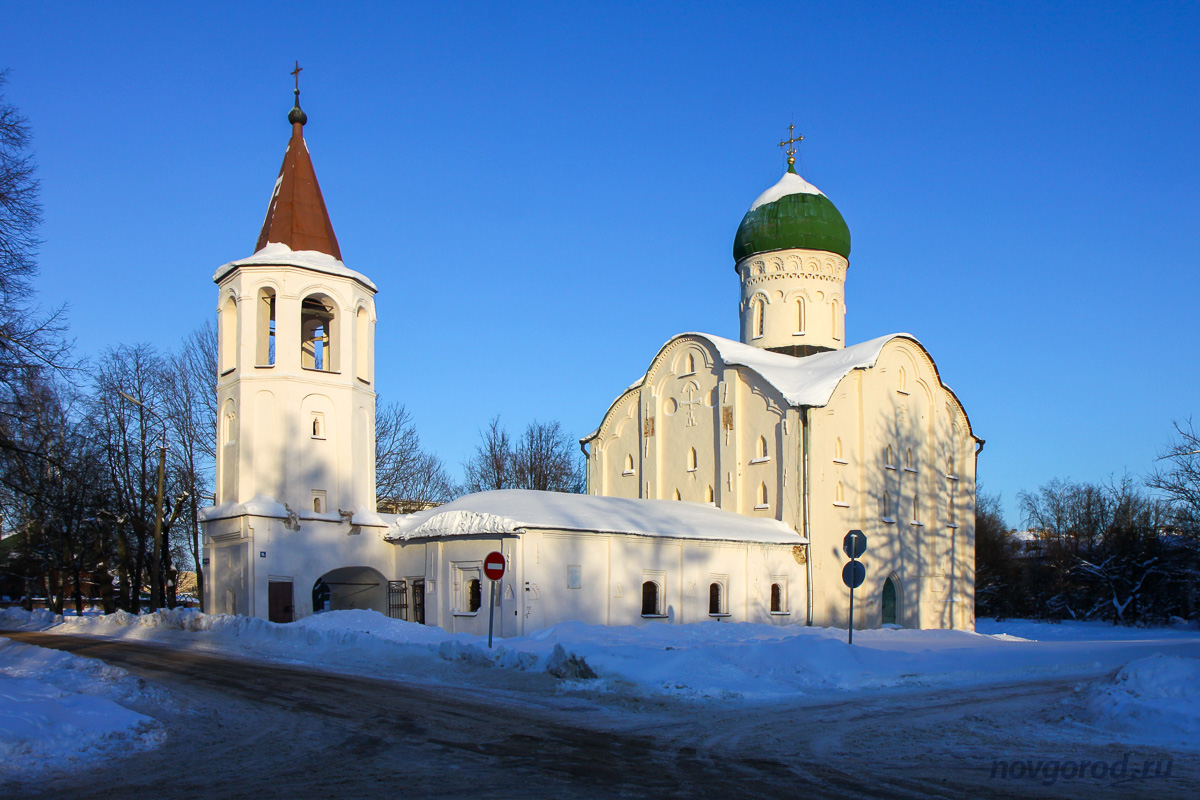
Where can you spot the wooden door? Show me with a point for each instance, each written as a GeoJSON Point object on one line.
{"type": "Point", "coordinates": [279, 601]}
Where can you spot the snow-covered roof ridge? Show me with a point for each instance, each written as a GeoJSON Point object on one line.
{"type": "Point", "coordinates": [803, 381]}
{"type": "Point", "coordinates": [513, 510]}
{"type": "Point", "coordinates": [790, 183]}
{"type": "Point", "coordinates": [277, 253]}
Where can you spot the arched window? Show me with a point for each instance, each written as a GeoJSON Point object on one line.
{"type": "Point", "coordinates": [777, 598]}
{"type": "Point", "coordinates": [916, 507]}
{"type": "Point", "coordinates": [889, 602]}
{"type": "Point", "coordinates": [708, 494]}
{"type": "Point", "coordinates": [837, 318]}
{"type": "Point", "coordinates": [799, 315]}
{"type": "Point", "coordinates": [677, 496]}
{"type": "Point", "coordinates": [839, 493]}
{"type": "Point", "coordinates": [762, 496]}
{"type": "Point", "coordinates": [264, 345]}
{"type": "Point", "coordinates": [908, 459]}
{"type": "Point", "coordinates": [887, 505]}
{"type": "Point", "coordinates": [691, 459]}
{"type": "Point", "coordinates": [362, 345]}
{"type": "Point", "coordinates": [629, 463]}
{"type": "Point", "coordinates": [716, 598]}
{"type": "Point", "coordinates": [759, 309]}
{"type": "Point", "coordinates": [837, 449]}
{"type": "Point", "coordinates": [761, 451]}
{"type": "Point", "coordinates": [227, 325]}
{"type": "Point", "coordinates": [474, 595]}
{"type": "Point", "coordinates": [317, 504]}
{"type": "Point", "coordinates": [651, 599]}
{"type": "Point", "coordinates": [901, 381]}
{"type": "Point", "coordinates": [318, 333]}
{"type": "Point", "coordinates": [888, 458]}
{"type": "Point", "coordinates": [689, 364]}
{"type": "Point", "coordinates": [950, 467]}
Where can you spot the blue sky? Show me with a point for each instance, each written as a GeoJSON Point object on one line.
{"type": "Point", "coordinates": [545, 193]}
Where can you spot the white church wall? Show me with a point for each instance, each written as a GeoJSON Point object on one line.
{"type": "Point", "coordinates": [556, 576]}
{"type": "Point", "coordinates": [773, 286]}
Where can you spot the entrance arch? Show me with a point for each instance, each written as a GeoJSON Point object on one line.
{"type": "Point", "coordinates": [891, 601]}
{"type": "Point", "coordinates": [350, 588]}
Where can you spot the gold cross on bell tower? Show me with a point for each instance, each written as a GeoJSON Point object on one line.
{"type": "Point", "coordinates": [790, 143]}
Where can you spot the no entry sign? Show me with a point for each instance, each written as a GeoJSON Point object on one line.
{"type": "Point", "coordinates": [493, 566]}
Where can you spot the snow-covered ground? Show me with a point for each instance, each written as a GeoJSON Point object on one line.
{"type": "Point", "coordinates": [58, 709]}
{"type": "Point", "coordinates": [1143, 685]}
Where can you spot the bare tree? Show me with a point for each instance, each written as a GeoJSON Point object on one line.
{"type": "Point", "coordinates": [30, 341]}
{"type": "Point", "coordinates": [403, 470]}
{"type": "Point", "coordinates": [1178, 476]}
{"type": "Point", "coordinates": [542, 458]}
{"type": "Point", "coordinates": [491, 465]}
{"type": "Point", "coordinates": [545, 460]}
{"type": "Point", "coordinates": [130, 435]}
{"type": "Point", "coordinates": [190, 405]}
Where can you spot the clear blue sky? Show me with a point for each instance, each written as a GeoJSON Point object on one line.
{"type": "Point", "coordinates": [545, 194]}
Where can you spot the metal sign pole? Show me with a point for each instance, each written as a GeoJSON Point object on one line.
{"type": "Point", "coordinates": [491, 612]}
{"type": "Point", "coordinates": [850, 632]}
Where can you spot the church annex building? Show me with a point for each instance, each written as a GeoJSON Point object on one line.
{"type": "Point", "coordinates": [719, 485]}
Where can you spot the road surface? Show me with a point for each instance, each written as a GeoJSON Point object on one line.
{"type": "Point", "coordinates": [252, 729]}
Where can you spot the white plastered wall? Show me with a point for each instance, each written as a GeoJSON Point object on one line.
{"type": "Point", "coordinates": [781, 280]}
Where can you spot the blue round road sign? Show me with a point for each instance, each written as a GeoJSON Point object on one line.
{"type": "Point", "coordinates": [853, 574]}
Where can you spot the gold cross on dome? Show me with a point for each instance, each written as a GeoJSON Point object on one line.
{"type": "Point", "coordinates": [296, 73]}
{"type": "Point", "coordinates": [790, 143]}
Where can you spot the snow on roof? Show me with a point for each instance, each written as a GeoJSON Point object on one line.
{"type": "Point", "coordinates": [513, 510]}
{"type": "Point", "coordinates": [276, 253]}
{"type": "Point", "coordinates": [258, 506]}
{"type": "Point", "coordinates": [805, 381]}
{"type": "Point", "coordinates": [790, 183]}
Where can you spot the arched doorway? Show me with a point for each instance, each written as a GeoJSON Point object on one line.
{"type": "Point", "coordinates": [350, 588]}
{"type": "Point", "coordinates": [889, 601]}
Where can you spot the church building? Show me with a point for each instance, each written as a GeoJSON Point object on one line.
{"type": "Point", "coordinates": [791, 424]}
{"type": "Point", "coordinates": [720, 484]}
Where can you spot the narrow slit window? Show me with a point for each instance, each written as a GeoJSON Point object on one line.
{"type": "Point", "coordinates": [265, 340]}
{"type": "Point", "coordinates": [799, 315]}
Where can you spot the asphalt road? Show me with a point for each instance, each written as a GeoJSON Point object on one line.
{"type": "Point", "coordinates": [250, 729]}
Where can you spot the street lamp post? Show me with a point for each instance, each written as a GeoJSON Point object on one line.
{"type": "Point", "coordinates": [156, 570]}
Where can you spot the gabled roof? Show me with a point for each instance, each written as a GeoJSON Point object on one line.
{"type": "Point", "coordinates": [517, 510]}
{"type": "Point", "coordinates": [803, 381]}
{"type": "Point", "coordinates": [297, 215]}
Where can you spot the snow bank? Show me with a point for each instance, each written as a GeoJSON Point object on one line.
{"type": "Point", "coordinates": [709, 660]}
{"type": "Point", "coordinates": [58, 709]}
{"type": "Point", "coordinates": [1154, 700]}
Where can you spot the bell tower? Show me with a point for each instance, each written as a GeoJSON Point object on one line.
{"type": "Point", "coordinates": [295, 387]}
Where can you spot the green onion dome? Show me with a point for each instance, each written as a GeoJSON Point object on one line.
{"type": "Point", "coordinates": [792, 214]}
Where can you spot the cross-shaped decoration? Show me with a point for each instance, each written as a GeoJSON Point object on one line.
{"type": "Point", "coordinates": [690, 390]}
{"type": "Point", "coordinates": [790, 144]}
{"type": "Point", "coordinates": [296, 74]}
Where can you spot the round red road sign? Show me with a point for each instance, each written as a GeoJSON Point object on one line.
{"type": "Point", "coordinates": [493, 566]}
